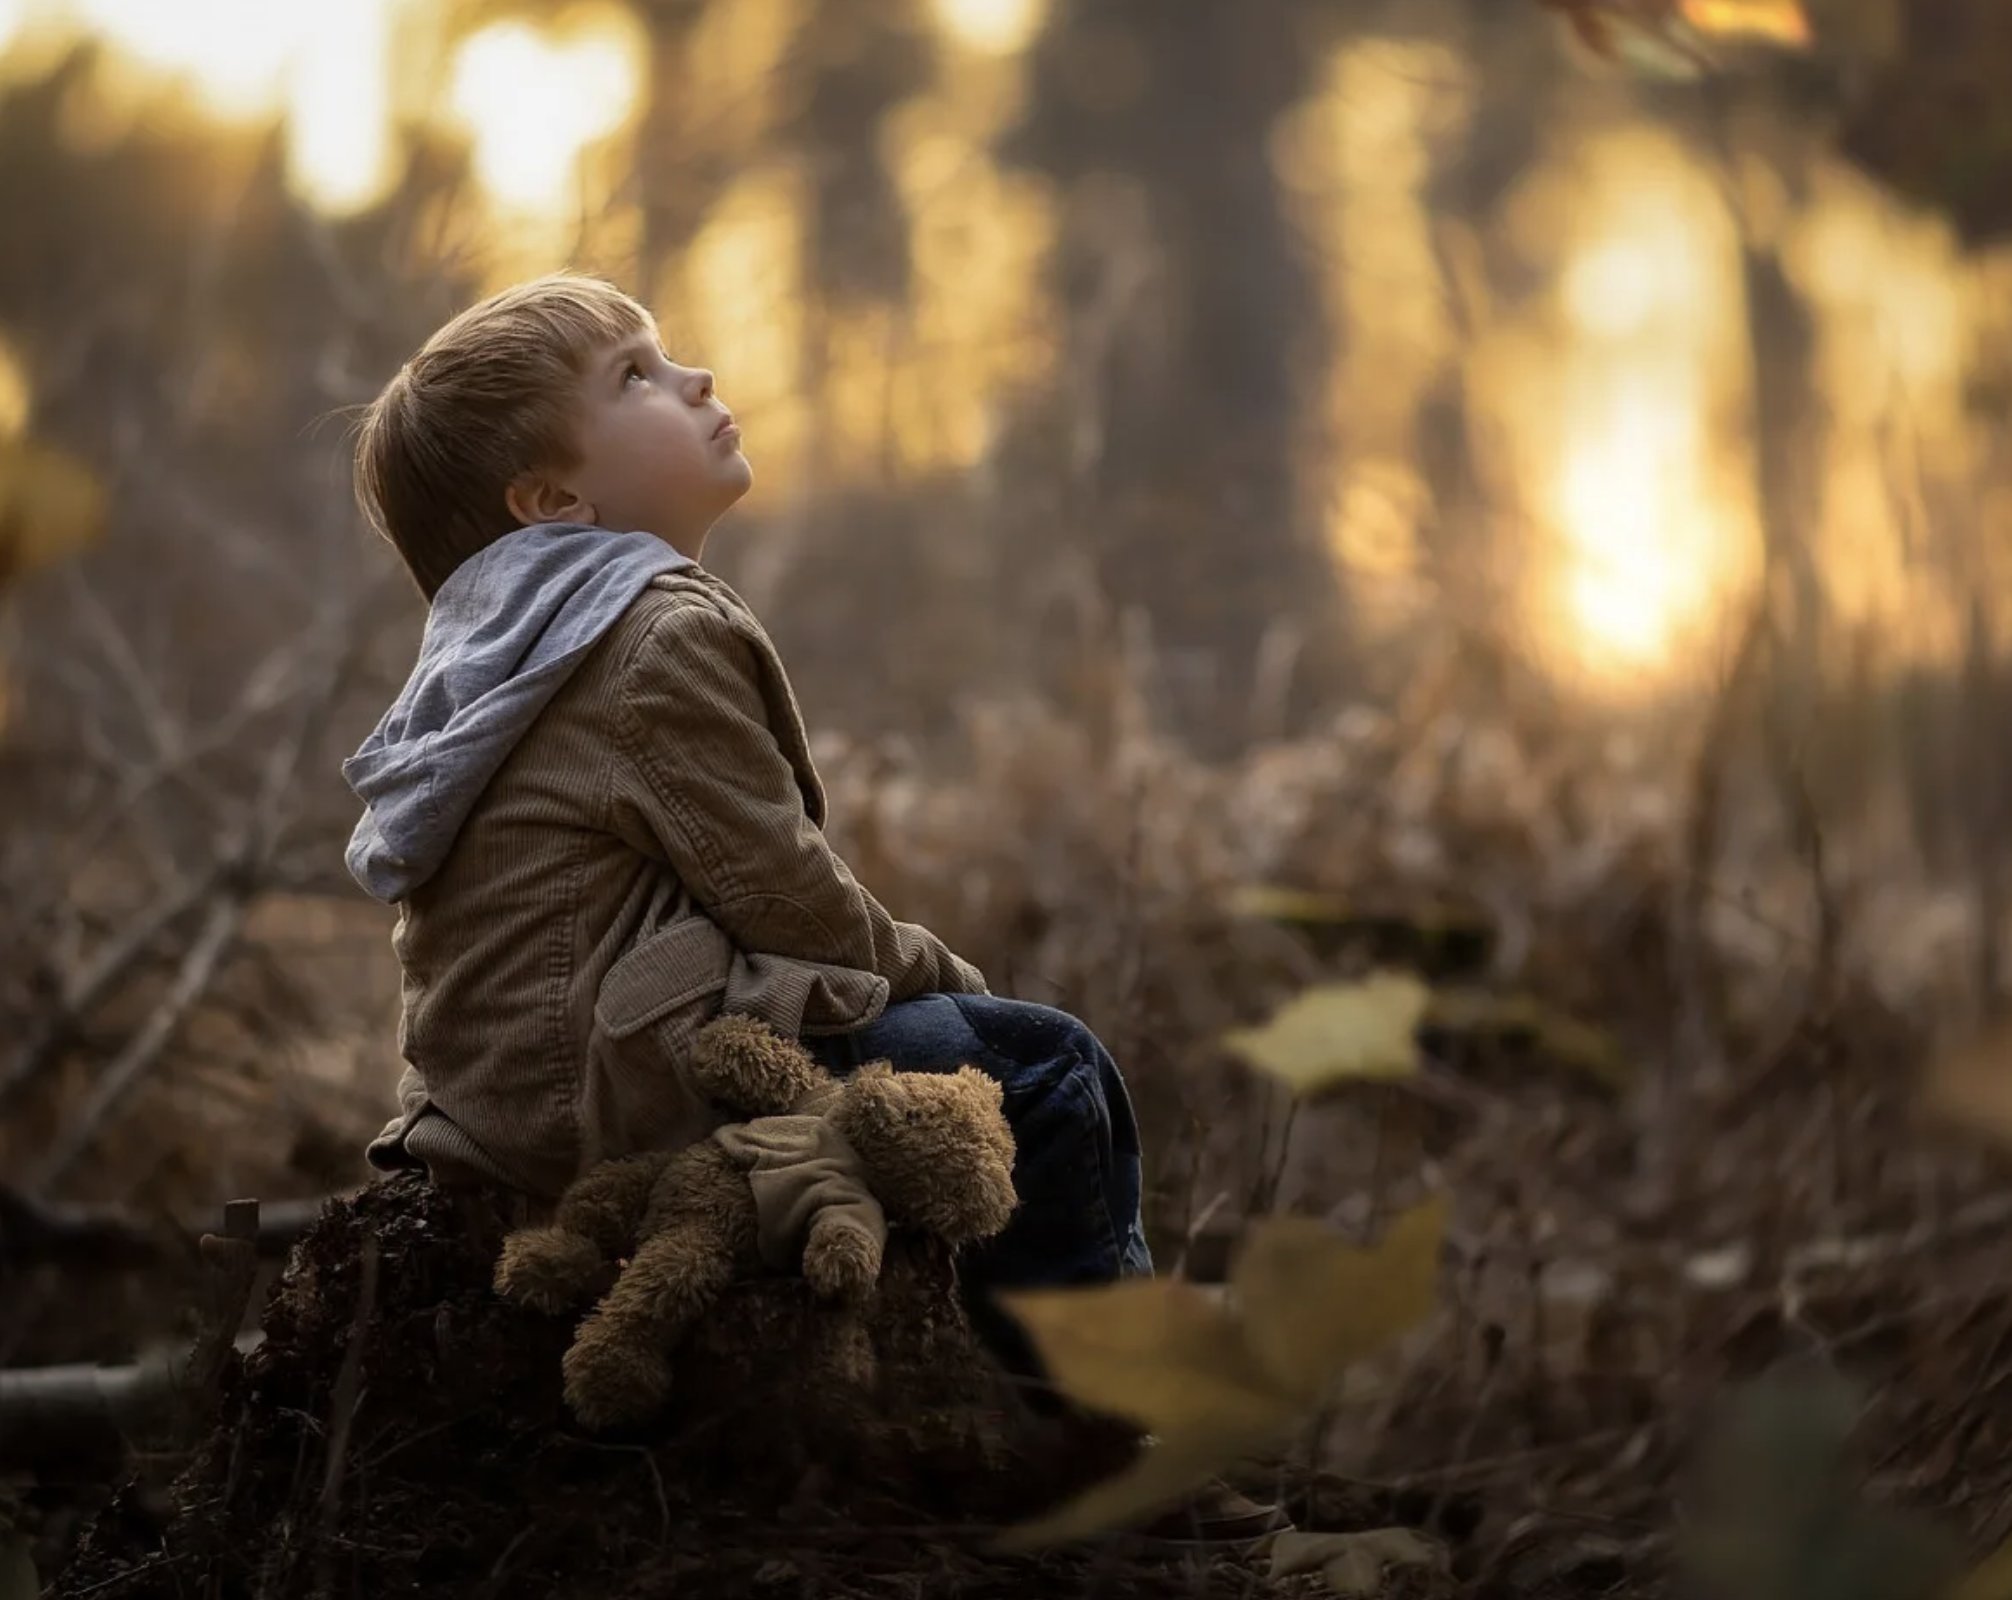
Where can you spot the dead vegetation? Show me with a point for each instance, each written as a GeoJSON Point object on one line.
{"type": "Point", "coordinates": [1619, 1251]}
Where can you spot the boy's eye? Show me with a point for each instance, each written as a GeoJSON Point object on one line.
{"type": "Point", "coordinates": [632, 371]}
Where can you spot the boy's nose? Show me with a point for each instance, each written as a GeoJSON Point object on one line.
{"type": "Point", "coordinates": [700, 383]}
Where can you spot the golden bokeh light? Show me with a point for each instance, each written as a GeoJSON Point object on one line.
{"type": "Point", "coordinates": [1621, 404]}
{"type": "Point", "coordinates": [233, 54]}
{"type": "Point", "coordinates": [338, 108]}
{"type": "Point", "coordinates": [996, 26]}
{"type": "Point", "coordinates": [737, 302]}
{"type": "Point", "coordinates": [14, 395]}
{"type": "Point", "coordinates": [533, 101]}
{"type": "Point", "coordinates": [1782, 22]}
{"type": "Point", "coordinates": [1354, 159]}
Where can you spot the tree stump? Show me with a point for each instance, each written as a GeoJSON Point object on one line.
{"type": "Point", "coordinates": [401, 1425]}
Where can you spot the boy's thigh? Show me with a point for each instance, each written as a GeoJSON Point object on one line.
{"type": "Point", "coordinates": [928, 1034]}
{"type": "Point", "coordinates": [941, 1032]}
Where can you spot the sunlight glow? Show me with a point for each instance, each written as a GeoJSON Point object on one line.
{"type": "Point", "coordinates": [338, 128]}
{"type": "Point", "coordinates": [13, 17]}
{"type": "Point", "coordinates": [999, 27]}
{"type": "Point", "coordinates": [1627, 400]}
{"type": "Point", "coordinates": [1782, 22]}
{"type": "Point", "coordinates": [14, 394]}
{"type": "Point", "coordinates": [533, 103]}
{"type": "Point", "coordinates": [1639, 554]}
{"type": "Point", "coordinates": [232, 53]}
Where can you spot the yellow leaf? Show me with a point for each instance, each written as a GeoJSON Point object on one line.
{"type": "Point", "coordinates": [1334, 1033]}
{"type": "Point", "coordinates": [1353, 1563]}
{"type": "Point", "coordinates": [1215, 1382]}
{"type": "Point", "coordinates": [1313, 1305]}
{"type": "Point", "coordinates": [1155, 1351]}
{"type": "Point", "coordinates": [1163, 1472]}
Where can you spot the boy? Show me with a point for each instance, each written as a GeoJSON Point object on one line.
{"type": "Point", "coordinates": [595, 809]}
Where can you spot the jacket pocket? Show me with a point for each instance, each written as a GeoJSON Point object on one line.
{"type": "Point", "coordinates": [663, 974]}
{"type": "Point", "coordinates": [648, 1011]}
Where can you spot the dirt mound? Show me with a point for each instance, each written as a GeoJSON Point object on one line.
{"type": "Point", "coordinates": [400, 1430]}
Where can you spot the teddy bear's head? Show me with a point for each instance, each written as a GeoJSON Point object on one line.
{"type": "Point", "coordinates": [936, 1148]}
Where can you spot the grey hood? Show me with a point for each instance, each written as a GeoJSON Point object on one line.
{"type": "Point", "coordinates": [506, 629]}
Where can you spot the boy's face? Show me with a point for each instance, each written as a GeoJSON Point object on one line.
{"type": "Point", "coordinates": [657, 451]}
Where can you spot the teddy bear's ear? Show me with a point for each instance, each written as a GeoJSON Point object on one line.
{"type": "Point", "coordinates": [873, 1069]}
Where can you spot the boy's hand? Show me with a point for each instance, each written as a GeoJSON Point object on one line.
{"type": "Point", "coordinates": [841, 1262]}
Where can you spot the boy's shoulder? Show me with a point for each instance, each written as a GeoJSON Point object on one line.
{"type": "Point", "coordinates": [690, 608]}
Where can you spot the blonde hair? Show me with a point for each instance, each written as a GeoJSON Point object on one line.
{"type": "Point", "coordinates": [487, 398]}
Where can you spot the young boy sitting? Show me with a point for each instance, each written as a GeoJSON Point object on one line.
{"type": "Point", "coordinates": [594, 806]}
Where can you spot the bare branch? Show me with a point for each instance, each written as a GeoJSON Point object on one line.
{"type": "Point", "coordinates": [199, 966]}
{"type": "Point", "coordinates": [109, 967]}
{"type": "Point", "coordinates": [113, 1238]}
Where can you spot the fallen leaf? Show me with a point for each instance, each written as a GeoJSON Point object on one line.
{"type": "Point", "coordinates": [1353, 1563]}
{"type": "Point", "coordinates": [1311, 1306]}
{"type": "Point", "coordinates": [1340, 1032]}
{"type": "Point", "coordinates": [1164, 1470]}
{"type": "Point", "coordinates": [1155, 1351]}
{"type": "Point", "coordinates": [1214, 1380]}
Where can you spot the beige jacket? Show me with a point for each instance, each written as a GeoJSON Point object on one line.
{"type": "Point", "coordinates": [650, 854]}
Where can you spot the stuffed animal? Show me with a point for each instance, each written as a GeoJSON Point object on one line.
{"type": "Point", "coordinates": [812, 1179]}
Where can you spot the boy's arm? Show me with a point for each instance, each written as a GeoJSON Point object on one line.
{"type": "Point", "coordinates": [716, 790]}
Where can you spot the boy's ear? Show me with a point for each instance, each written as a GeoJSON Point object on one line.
{"type": "Point", "coordinates": [534, 498]}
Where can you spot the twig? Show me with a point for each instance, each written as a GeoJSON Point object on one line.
{"type": "Point", "coordinates": [198, 967]}
{"type": "Point", "coordinates": [113, 1238]}
{"type": "Point", "coordinates": [112, 963]}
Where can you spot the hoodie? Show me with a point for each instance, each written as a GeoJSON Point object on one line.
{"type": "Point", "coordinates": [506, 630]}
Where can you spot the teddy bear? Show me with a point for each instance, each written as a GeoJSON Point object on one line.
{"type": "Point", "coordinates": [811, 1178]}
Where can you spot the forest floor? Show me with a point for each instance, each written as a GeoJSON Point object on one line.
{"type": "Point", "coordinates": [399, 1430]}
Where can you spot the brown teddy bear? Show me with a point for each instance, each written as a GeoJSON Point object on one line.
{"type": "Point", "coordinates": [814, 1177]}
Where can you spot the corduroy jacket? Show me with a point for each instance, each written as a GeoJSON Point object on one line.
{"type": "Point", "coordinates": [649, 855]}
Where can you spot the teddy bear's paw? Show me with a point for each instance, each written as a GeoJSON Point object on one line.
{"type": "Point", "coordinates": [842, 1263]}
{"type": "Point", "coordinates": [744, 1063]}
{"type": "Point", "coordinates": [612, 1381]}
{"type": "Point", "coordinates": [550, 1269]}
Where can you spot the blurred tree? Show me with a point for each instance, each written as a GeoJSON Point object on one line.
{"type": "Point", "coordinates": [1195, 333]}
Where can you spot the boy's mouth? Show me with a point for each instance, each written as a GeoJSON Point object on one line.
{"type": "Point", "coordinates": [727, 425]}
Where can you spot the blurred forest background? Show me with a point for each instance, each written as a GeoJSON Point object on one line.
{"type": "Point", "coordinates": [1246, 489]}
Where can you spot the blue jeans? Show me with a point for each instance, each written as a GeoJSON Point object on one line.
{"type": "Point", "coordinates": [1076, 1164]}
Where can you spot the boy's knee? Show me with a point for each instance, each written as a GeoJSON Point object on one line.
{"type": "Point", "coordinates": [1026, 1031]}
